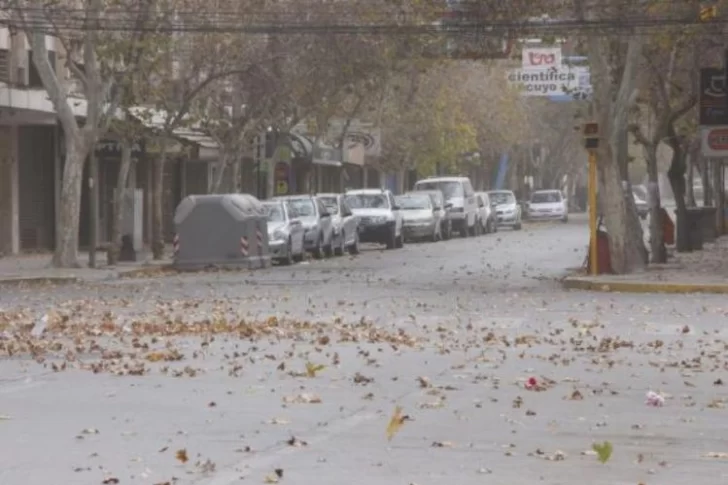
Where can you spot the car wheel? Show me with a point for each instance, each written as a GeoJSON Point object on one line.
{"type": "Point", "coordinates": [318, 251]}
{"type": "Point", "coordinates": [464, 230]}
{"type": "Point", "coordinates": [354, 248]}
{"type": "Point", "coordinates": [288, 259]}
{"type": "Point", "coordinates": [392, 238]}
{"type": "Point", "coordinates": [329, 248]}
{"type": "Point", "coordinates": [339, 251]}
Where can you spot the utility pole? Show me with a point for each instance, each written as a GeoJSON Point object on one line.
{"type": "Point", "coordinates": [591, 143]}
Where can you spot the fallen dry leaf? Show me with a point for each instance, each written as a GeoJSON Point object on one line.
{"type": "Point", "coordinates": [304, 398]}
{"type": "Point", "coordinates": [424, 382]}
{"type": "Point", "coordinates": [576, 395]}
{"type": "Point", "coordinates": [313, 369]}
{"type": "Point", "coordinates": [717, 454]}
{"type": "Point", "coordinates": [293, 441]}
{"type": "Point", "coordinates": [181, 455]}
{"type": "Point", "coordinates": [110, 481]}
{"type": "Point", "coordinates": [396, 422]}
{"type": "Point", "coordinates": [442, 444]}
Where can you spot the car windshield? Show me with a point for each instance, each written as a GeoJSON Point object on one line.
{"type": "Point", "coordinates": [275, 212]}
{"type": "Point", "coordinates": [501, 198]}
{"type": "Point", "coordinates": [414, 202]}
{"type": "Point", "coordinates": [449, 189]}
{"type": "Point", "coordinates": [301, 208]}
{"type": "Point", "coordinates": [367, 201]}
{"type": "Point", "coordinates": [331, 204]}
{"type": "Point", "coordinates": [545, 197]}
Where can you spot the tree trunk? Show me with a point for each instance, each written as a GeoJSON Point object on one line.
{"type": "Point", "coordinates": [689, 192]}
{"type": "Point", "coordinates": [626, 247]}
{"type": "Point", "coordinates": [157, 202]}
{"type": "Point", "coordinates": [658, 254]}
{"type": "Point", "coordinates": [214, 186]}
{"type": "Point", "coordinates": [676, 176]}
{"type": "Point", "coordinates": [707, 185]}
{"type": "Point", "coordinates": [122, 180]}
{"type": "Point", "coordinates": [69, 214]}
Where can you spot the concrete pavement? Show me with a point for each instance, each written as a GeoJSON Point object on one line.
{"type": "Point", "coordinates": [130, 372]}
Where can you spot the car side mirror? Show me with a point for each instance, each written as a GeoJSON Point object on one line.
{"type": "Point", "coordinates": [295, 222]}
{"type": "Point", "coordinates": [395, 207]}
{"type": "Point", "coordinates": [448, 205]}
{"type": "Point", "coordinates": [324, 215]}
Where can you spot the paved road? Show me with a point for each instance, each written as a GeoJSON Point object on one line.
{"type": "Point", "coordinates": [125, 375]}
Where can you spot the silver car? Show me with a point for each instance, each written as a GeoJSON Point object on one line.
{"type": "Point", "coordinates": [507, 209]}
{"type": "Point", "coordinates": [316, 221]}
{"type": "Point", "coordinates": [420, 218]}
{"type": "Point", "coordinates": [285, 234]}
{"type": "Point", "coordinates": [488, 221]}
{"type": "Point", "coordinates": [346, 224]}
{"type": "Point", "coordinates": [438, 201]}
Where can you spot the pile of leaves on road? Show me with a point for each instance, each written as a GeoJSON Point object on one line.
{"type": "Point", "coordinates": [79, 336]}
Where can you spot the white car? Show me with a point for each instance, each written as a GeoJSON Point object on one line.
{"type": "Point", "coordinates": [507, 209]}
{"type": "Point", "coordinates": [380, 220]}
{"type": "Point", "coordinates": [285, 234]}
{"type": "Point", "coordinates": [459, 194]}
{"type": "Point", "coordinates": [346, 224]}
{"type": "Point", "coordinates": [487, 219]}
{"type": "Point", "coordinates": [548, 205]}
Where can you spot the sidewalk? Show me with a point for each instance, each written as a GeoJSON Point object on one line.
{"type": "Point", "coordinates": [703, 271]}
{"type": "Point", "coordinates": [37, 268]}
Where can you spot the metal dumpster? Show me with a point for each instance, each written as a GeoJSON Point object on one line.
{"type": "Point", "coordinates": [226, 231]}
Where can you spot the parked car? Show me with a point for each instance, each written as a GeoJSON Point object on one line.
{"type": "Point", "coordinates": [459, 193]}
{"type": "Point", "coordinates": [346, 224]}
{"type": "Point", "coordinates": [507, 209]}
{"type": "Point", "coordinates": [548, 205]}
{"type": "Point", "coordinates": [380, 220]}
{"type": "Point", "coordinates": [285, 234]}
{"type": "Point", "coordinates": [316, 221]}
{"type": "Point", "coordinates": [488, 221]}
{"type": "Point", "coordinates": [643, 208]}
{"type": "Point", "coordinates": [420, 218]}
{"type": "Point", "coordinates": [443, 209]}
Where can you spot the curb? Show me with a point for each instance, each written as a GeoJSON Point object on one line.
{"type": "Point", "coordinates": [588, 284]}
{"type": "Point", "coordinates": [21, 280]}
{"type": "Point", "coordinates": [150, 271]}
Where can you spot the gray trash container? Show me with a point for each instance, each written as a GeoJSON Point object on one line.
{"type": "Point", "coordinates": [227, 231]}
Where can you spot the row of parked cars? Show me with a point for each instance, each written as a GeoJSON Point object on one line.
{"type": "Point", "coordinates": [436, 209]}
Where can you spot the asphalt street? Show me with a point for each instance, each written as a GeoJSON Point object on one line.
{"type": "Point", "coordinates": [291, 375]}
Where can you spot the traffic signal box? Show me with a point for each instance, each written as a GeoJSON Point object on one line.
{"type": "Point", "coordinates": [591, 135]}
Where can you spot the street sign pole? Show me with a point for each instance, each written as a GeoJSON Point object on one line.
{"type": "Point", "coordinates": [593, 254]}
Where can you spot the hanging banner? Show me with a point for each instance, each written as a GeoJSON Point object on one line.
{"type": "Point", "coordinates": [564, 80]}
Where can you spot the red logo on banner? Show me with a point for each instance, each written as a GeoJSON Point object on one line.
{"type": "Point", "coordinates": [540, 59]}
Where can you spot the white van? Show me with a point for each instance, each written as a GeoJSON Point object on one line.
{"type": "Point", "coordinates": [459, 200]}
